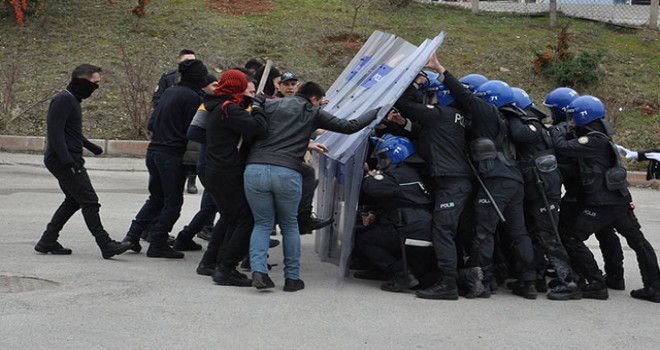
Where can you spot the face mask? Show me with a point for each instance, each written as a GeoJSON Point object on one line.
{"type": "Point", "coordinates": [81, 88]}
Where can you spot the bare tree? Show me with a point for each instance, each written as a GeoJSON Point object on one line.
{"type": "Point", "coordinates": [135, 90]}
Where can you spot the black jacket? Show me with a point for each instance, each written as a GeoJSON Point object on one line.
{"type": "Point", "coordinates": [533, 140]}
{"type": "Point", "coordinates": [166, 81]}
{"type": "Point", "coordinates": [224, 133]}
{"type": "Point", "coordinates": [486, 122]}
{"type": "Point", "coordinates": [171, 119]}
{"type": "Point", "coordinates": [291, 122]}
{"type": "Point", "coordinates": [402, 195]}
{"type": "Point", "coordinates": [65, 136]}
{"type": "Point", "coordinates": [595, 156]}
{"type": "Point", "coordinates": [441, 140]}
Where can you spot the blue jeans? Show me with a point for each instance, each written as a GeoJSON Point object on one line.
{"type": "Point", "coordinates": [274, 191]}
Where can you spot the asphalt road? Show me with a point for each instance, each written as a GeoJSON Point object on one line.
{"type": "Point", "coordinates": [133, 302]}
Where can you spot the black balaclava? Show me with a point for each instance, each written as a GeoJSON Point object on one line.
{"type": "Point", "coordinates": [81, 88]}
{"type": "Point", "coordinates": [193, 73]}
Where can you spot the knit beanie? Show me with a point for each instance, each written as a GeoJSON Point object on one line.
{"type": "Point", "coordinates": [193, 72]}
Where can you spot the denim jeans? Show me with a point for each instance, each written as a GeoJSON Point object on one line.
{"type": "Point", "coordinates": [274, 190]}
{"type": "Point", "coordinates": [167, 177]}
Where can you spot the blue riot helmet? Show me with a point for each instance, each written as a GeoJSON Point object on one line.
{"type": "Point", "coordinates": [495, 92]}
{"type": "Point", "coordinates": [585, 109]}
{"type": "Point", "coordinates": [521, 98]}
{"type": "Point", "coordinates": [396, 148]}
{"type": "Point", "coordinates": [473, 81]}
{"type": "Point", "coordinates": [557, 101]}
{"type": "Point", "coordinates": [445, 98]}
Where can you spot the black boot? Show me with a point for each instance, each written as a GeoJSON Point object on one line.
{"type": "Point", "coordinates": [526, 290]}
{"type": "Point", "coordinates": [184, 242]}
{"type": "Point", "coordinates": [191, 187]}
{"type": "Point", "coordinates": [205, 233]}
{"type": "Point", "coordinates": [261, 280]}
{"type": "Point", "coordinates": [54, 248]}
{"type": "Point", "coordinates": [205, 269]}
{"type": "Point", "coordinates": [471, 279]}
{"type": "Point", "coordinates": [565, 291]}
{"type": "Point", "coordinates": [308, 223]}
{"type": "Point", "coordinates": [647, 293]}
{"type": "Point", "coordinates": [615, 281]}
{"type": "Point", "coordinates": [135, 243]}
{"type": "Point", "coordinates": [163, 252]}
{"type": "Point", "coordinates": [444, 289]}
{"type": "Point", "coordinates": [112, 248]}
{"type": "Point", "coordinates": [401, 282]}
{"type": "Point", "coordinates": [595, 290]}
{"type": "Point", "coordinates": [228, 276]}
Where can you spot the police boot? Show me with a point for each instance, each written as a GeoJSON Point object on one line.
{"type": "Point", "coordinates": [615, 281]}
{"type": "Point", "coordinates": [595, 290]}
{"type": "Point", "coordinates": [526, 290]}
{"type": "Point", "coordinates": [444, 289]}
{"type": "Point", "coordinates": [647, 293]}
{"type": "Point", "coordinates": [400, 282]}
{"type": "Point", "coordinates": [471, 281]}
{"type": "Point", "coordinates": [565, 291]}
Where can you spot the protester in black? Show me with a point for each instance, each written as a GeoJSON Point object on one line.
{"type": "Point", "coordinates": [63, 158]}
{"type": "Point", "coordinates": [164, 161]}
{"type": "Point", "coordinates": [229, 133]}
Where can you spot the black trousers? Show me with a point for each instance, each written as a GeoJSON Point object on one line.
{"type": "Point", "coordinates": [309, 183]}
{"type": "Point", "coordinates": [167, 177]}
{"type": "Point", "coordinates": [508, 194]}
{"type": "Point", "coordinates": [608, 240]}
{"type": "Point", "coordinates": [78, 194]}
{"type": "Point", "coordinates": [544, 237]}
{"type": "Point", "coordinates": [451, 197]}
{"type": "Point", "coordinates": [230, 240]}
{"type": "Point", "coordinates": [623, 219]}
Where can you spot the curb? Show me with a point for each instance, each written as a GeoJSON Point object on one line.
{"type": "Point", "coordinates": [138, 149]}
{"type": "Point", "coordinates": [37, 144]}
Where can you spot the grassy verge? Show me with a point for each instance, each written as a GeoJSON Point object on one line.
{"type": "Point", "coordinates": [301, 35]}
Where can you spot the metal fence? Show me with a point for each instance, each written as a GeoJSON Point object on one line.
{"type": "Point", "coordinates": [633, 13]}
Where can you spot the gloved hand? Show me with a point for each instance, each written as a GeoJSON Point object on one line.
{"type": "Point", "coordinates": [259, 101]}
{"type": "Point", "coordinates": [74, 167]}
{"type": "Point", "coordinates": [626, 152]}
{"type": "Point", "coordinates": [652, 155]}
{"type": "Point", "coordinates": [94, 148]}
{"type": "Point", "coordinates": [559, 129]}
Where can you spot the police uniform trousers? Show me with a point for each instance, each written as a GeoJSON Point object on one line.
{"type": "Point", "coordinates": [623, 219]}
{"type": "Point", "coordinates": [610, 245]}
{"type": "Point", "coordinates": [508, 194]}
{"type": "Point", "coordinates": [451, 196]}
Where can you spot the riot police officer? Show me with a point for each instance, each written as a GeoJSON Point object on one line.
{"type": "Point", "coordinates": [538, 164]}
{"type": "Point", "coordinates": [404, 212]}
{"type": "Point", "coordinates": [441, 143]}
{"type": "Point", "coordinates": [501, 196]}
{"type": "Point", "coordinates": [607, 201]}
{"type": "Point", "coordinates": [572, 200]}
